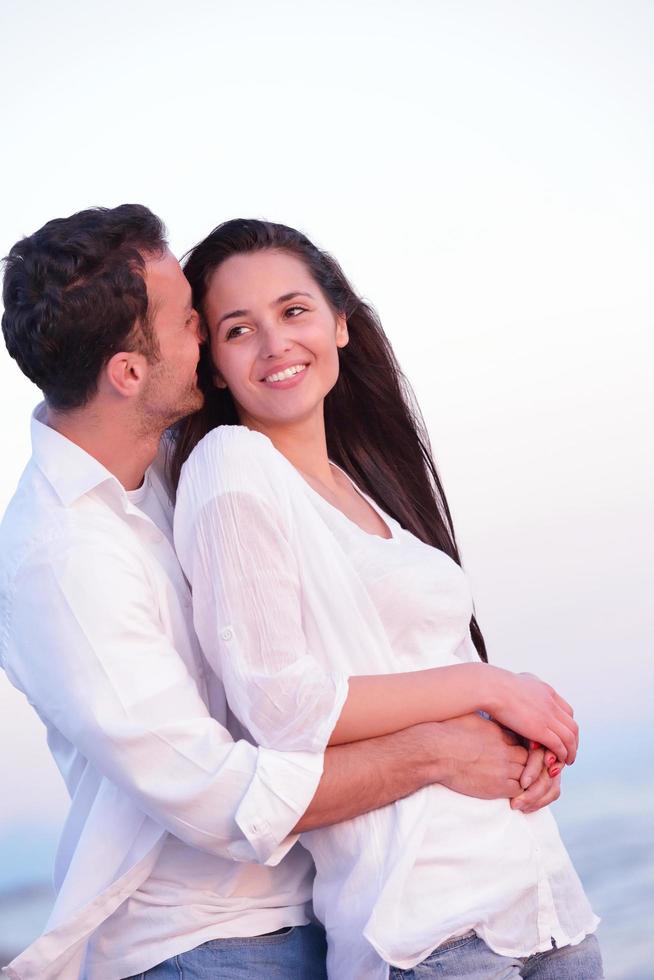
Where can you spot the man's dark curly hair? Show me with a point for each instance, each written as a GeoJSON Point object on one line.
{"type": "Point", "coordinates": [74, 295]}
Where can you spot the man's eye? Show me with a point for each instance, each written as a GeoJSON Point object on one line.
{"type": "Point", "coordinates": [235, 332]}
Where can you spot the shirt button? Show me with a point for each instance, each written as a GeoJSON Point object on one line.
{"type": "Point", "coordinates": [227, 635]}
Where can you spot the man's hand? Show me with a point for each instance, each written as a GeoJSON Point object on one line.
{"type": "Point", "coordinates": [470, 755]}
{"type": "Point", "coordinates": [482, 758]}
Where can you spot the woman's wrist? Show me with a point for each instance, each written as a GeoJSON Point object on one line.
{"type": "Point", "coordinates": [463, 689]}
{"type": "Point", "coordinates": [495, 688]}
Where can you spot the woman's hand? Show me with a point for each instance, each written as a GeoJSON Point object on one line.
{"type": "Point", "coordinates": [534, 710]}
{"type": "Point", "coordinates": [539, 787]}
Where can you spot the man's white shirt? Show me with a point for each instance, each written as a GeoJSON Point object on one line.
{"type": "Point", "coordinates": [96, 629]}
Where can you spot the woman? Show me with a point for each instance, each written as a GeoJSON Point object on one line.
{"type": "Point", "coordinates": [330, 599]}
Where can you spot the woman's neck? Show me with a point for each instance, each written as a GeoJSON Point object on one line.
{"type": "Point", "coordinates": [304, 444]}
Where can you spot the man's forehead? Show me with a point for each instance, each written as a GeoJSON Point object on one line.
{"type": "Point", "coordinates": [165, 280]}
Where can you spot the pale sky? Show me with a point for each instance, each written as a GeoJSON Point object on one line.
{"type": "Point", "coordinates": [482, 170]}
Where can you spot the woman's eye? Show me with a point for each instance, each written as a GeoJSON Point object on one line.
{"type": "Point", "coordinates": [295, 310]}
{"type": "Point", "coordinates": [236, 332]}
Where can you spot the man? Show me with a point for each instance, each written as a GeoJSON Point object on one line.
{"type": "Point", "coordinates": [178, 849]}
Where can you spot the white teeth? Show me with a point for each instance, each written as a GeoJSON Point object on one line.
{"type": "Point", "coordinates": [288, 373]}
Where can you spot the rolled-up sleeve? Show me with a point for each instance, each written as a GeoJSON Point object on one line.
{"type": "Point", "coordinates": [89, 649]}
{"type": "Point", "coordinates": [235, 543]}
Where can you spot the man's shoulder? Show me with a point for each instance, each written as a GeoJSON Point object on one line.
{"type": "Point", "coordinates": [37, 526]}
{"type": "Point", "coordinates": [33, 515]}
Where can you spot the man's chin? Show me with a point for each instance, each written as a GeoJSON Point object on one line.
{"type": "Point", "coordinates": [189, 405]}
{"type": "Point", "coordinates": [192, 404]}
{"type": "Point", "coordinates": [199, 399]}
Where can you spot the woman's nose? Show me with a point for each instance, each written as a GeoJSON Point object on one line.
{"type": "Point", "coordinates": [274, 343]}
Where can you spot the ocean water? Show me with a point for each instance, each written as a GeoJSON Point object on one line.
{"type": "Point", "coordinates": [614, 855]}
{"type": "Point", "coordinates": [608, 827]}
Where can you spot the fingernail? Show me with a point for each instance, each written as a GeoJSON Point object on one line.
{"type": "Point", "coordinates": [550, 759]}
{"type": "Point", "coordinates": [534, 745]}
{"type": "Point", "coordinates": [554, 772]}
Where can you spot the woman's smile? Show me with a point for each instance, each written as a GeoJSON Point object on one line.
{"type": "Point", "coordinates": [286, 377]}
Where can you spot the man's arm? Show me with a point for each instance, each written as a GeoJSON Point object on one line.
{"type": "Point", "coordinates": [470, 755]}
{"type": "Point", "coordinates": [83, 639]}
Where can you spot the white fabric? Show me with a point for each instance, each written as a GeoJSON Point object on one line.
{"type": "Point", "coordinates": [96, 630]}
{"type": "Point", "coordinates": [289, 595]}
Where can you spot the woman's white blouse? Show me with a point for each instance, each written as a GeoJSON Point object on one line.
{"type": "Point", "coordinates": [290, 598]}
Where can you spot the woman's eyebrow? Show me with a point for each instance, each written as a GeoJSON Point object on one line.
{"type": "Point", "coordinates": [287, 296]}
{"type": "Point", "coordinates": [234, 313]}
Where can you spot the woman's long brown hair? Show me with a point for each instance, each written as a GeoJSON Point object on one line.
{"type": "Point", "coordinates": [375, 431]}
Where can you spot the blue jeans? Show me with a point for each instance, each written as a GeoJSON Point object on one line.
{"type": "Point", "coordinates": [468, 958]}
{"type": "Point", "coordinates": [298, 953]}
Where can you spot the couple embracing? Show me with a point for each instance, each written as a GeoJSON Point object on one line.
{"type": "Point", "coordinates": [230, 588]}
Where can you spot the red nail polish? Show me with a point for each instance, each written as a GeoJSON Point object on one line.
{"type": "Point", "coordinates": [554, 772]}
{"type": "Point", "coordinates": [534, 745]}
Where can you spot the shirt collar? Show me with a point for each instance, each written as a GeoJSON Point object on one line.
{"type": "Point", "coordinates": [71, 471]}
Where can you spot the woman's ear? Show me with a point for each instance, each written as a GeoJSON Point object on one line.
{"type": "Point", "coordinates": [217, 379]}
{"type": "Point", "coordinates": [342, 335]}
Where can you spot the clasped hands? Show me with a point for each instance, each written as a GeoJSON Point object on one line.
{"type": "Point", "coordinates": [540, 781]}
{"type": "Point", "coordinates": [488, 761]}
